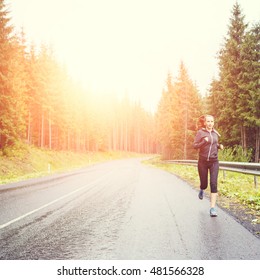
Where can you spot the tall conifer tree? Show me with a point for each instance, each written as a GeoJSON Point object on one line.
{"type": "Point", "coordinates": [5, 87]}
{"type": "Point", "coordinates": [249, 101]}
{"type": "Point", "coordinates": [179, 107]}
{"type": "Point", "coordinates": [13, 87]}
{"type": "Point", "coordinates": [190, 109]}
{"type": "Point", "coordinates": [230, 67]}
{"type": "Point", "coordinates": [234, 97]}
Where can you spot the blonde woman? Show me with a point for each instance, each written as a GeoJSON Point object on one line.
{"type": "Point", "coordinates": [206, 141]}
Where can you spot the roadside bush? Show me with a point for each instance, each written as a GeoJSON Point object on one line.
{"type": "Point", "coordinates": [18, 150]}
{"type": "Point", "coordinates": [235, 154]}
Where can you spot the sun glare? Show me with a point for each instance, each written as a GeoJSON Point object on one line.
{"type": "Point", "coordinates": [130, 46]}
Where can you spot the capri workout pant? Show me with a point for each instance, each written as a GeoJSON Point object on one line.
{"type": "Point", "coordinates": [211, 167]}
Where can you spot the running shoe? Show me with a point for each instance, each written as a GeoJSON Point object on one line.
{"type": "Point", "coordinates": [213, 212]}
{"type": "Point", "coordinates": [201, 194]}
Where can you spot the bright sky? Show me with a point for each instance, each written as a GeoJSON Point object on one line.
{"type": "Point", "coordinates": [129, 46]}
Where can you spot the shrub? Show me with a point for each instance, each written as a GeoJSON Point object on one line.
{"type": "Point", "coordinates": [235, 154]}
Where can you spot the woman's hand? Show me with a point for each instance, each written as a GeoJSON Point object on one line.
{"type": "Point", "coordinates": [221, 146]}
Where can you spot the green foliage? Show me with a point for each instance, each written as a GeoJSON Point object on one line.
{"type": "Point", "coordinates": [41, 105]}
{"type": "Point", "coordinates": [240, 187]}
{"type": "Point", "coordinates": [179, 107]}
{"type": "Point", "coordinates": [13, 90]}
{"type": "Point", "coordinates": [235, 97]}
{"type": "Point", "coordinates": [235, 153]}
{"type": "Point", "coordinates": [16, 150]}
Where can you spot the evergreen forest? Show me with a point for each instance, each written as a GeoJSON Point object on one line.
{"type": "Point", "coordinates": [41, 105]}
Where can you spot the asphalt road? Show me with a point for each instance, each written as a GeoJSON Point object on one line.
{"type": "Point", "coordinates": [117, 210]}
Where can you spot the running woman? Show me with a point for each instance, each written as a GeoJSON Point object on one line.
{"type": "Point", "coordinates": [206, 141]}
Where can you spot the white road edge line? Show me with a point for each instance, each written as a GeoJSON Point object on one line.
{"type": "Point", "coordinates": [48, 204]}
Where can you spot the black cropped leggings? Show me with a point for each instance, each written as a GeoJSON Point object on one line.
{"type": "Point", "coordinates": [211, 167]}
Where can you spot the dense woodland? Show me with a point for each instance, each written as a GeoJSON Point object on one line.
{"type": "Point", "coordinates": [41, 105]}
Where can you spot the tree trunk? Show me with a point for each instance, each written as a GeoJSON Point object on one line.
{"type": "Point", "coordinates": [121, 137]}
{"type": "Point", "coordinates": [68, 140]}
{"type": "Point", "coordinates": [257, 144]}
{"type": "Point", "coordinates": [87, 141]}
{"type": "Point", "coordinates": [126, 138]}
{"type": "Point", "coordinates": [185, 141]}
{"type": "Point", "coordinates": [42, 131]}
{"type": "Point", "coordinates": [243, 139]}
{"type": "Point", "coordinates": [29, 129]}
{"type": "Point", "coordinates": [50, 132]}
{"type": "Point", "coordinates": [139, 140]}
{"type": "Point", "coordinates": [115, 137]}
{"type": "Point", "coordinates": [78, 141]}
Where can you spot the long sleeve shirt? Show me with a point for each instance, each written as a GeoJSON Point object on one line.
{"type": "Point", "coordinates": [207, 149]}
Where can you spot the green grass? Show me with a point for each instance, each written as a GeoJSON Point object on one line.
{"type": "Point", "coordinates": [31, 162]}
{"type": "Point", "coordinates": [232, 188]}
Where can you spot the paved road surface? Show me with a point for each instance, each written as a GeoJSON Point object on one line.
{"type": "Point", "coordinates": [118, 210]}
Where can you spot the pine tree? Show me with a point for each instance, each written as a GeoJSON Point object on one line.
{"type": "Point", "coordinates": [230, 67]}
{"type": "Point", "coordinates": [5, 57]}
{"type": "Point", "coordinates": [40, 103]}
{"type": "Point", "coordinates": [165, 119]}
{"type": "Point", "coordinates": [249, 101]}
{"type": "Point", "coordinates": [19, 87]}
{"type": "Point", "coordinates": [12, 83]}
{"type": "Point", "coordinates": [178, 110]}
{"type": "Point", "coordinates": [190, 109]}
{"type": "Point", "coordinates": [234, 97]}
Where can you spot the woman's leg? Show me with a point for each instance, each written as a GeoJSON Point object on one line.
{"type": "Point", "coordinates": [214, 167]}
{"type": "Point", "coordinates": [213, 200]}
{"type": "Point", "coordinates": [203, 174]}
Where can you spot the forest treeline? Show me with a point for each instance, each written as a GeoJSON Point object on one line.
{"type": "Point", "coordinates": [235, 95]}
{"type": "Point", "coordinates": [41, 105]}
